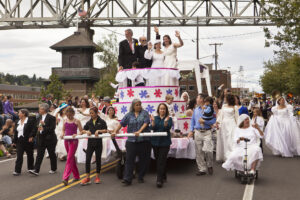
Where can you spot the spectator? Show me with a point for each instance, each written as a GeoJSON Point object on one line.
{"type": "Point", "coordinates": [106, 101]}
{"type": "Point", "coordinates": [9, 109]}
{"type": "Point", "coordinates": [7, 132]}
{"type": "Point", "coordinates": [49, 99]}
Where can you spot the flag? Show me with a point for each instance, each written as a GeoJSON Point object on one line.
{"type": "Point", "coordinates": [81, 12]}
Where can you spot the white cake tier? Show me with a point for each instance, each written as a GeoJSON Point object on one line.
{"type": "Point", "coordinates": [122, 108]}
{"type": "Point", "coordinates": [148, 93]}
{"type": "Point", "coordinates": [153, 76]}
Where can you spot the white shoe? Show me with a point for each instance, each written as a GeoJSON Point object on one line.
{"type": "Point", "coordinates": [252, 172]}
{"type": "Point", "coordinates": [16, 174]}
{"type": "Point", "coordinates": [33, 172]}
{"type": "Point", "coordinates": [52, 172]}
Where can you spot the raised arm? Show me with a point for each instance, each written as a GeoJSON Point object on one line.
{"type": "Point", "coordinates": [180, 44]}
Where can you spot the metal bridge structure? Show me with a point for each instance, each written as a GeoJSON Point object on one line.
{"type": "Point", "coordinates": [35, 14]}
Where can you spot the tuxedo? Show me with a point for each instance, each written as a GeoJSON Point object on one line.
{"type": "Point", "coordinates": [46, 139]}
{"type": "Point", "coordinates": [127, 55]}
{"type": "Point", "coordinates": [22, 142]}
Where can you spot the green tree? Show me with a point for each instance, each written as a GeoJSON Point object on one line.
{"type": "Point", "coordinates": [108, 49]}
{"type": "Point", "coordinates": [282, 74]}
{"type": "Point", "coordinates": [285, 14]}
{"type": "Point", "coordinates": [55, 88]}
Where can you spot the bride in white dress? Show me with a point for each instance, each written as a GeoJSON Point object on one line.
{"type": "Point", "coordinates": [282, 132]}
{"type": "Point", "coordinates": [157, 57]}
{"type": "Point", "coordinates": [226, 122]}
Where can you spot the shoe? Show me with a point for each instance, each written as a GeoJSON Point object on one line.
{"type": "Point", "coordinates": [52, 172]}
{"type": "Point", "coordinates": [65, 182]}
{"type": "Point", "coordinates": [200, 173]}
{"type": "Point", "coordinates": [75, 180]}
{"type": "Point", "coordinates": [33, 172]}
{"type": "Point", "coordinates": [252, 172]}
{"type": "Point", "coordinates": [141, 180]}
{"type": "Point", "coordinates": [97, 180]}
{"type": "Point", "coordinates": [159, 184]}
{"type": "Point", "coordinates": [126, 183]}
{"type": "Point", "coordinates": [86, 181]}
{"type": "Point", "coordinates": [16, 174]}
{"type": "Point", "coordinates": [210, 171]}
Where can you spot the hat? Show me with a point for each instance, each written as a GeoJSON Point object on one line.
{"type": "Point", "coordinates": [62, 106]}
{"type": "Point", "coordinates": [242, 118]}
{"type": "Point", "coordinates": [106, 99]}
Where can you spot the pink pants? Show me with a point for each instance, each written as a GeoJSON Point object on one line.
{"type": "Point", "coordinates": [71, 167]}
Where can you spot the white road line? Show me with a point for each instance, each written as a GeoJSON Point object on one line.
{"type": "Point", "coordinates": [248, 193]}
{"type": "Point", "coordinates": [3, 161]}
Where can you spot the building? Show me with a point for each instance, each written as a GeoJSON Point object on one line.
{"type": "Point", "coordinates": [188, 80]}
{"type": "Point", "coordinates": [21, 94]}
{"type": "Point", "coordinates": [77, 72]}
{"type": "Point", "coordinates": [242, 92]}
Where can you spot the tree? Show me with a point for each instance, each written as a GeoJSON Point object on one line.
{"type": "Point", "coordinates": [108, 49]}
{"type": "Point", "coordinates": [55, 88]}
{"type": "Point", "coordinates": [282, 74]}
{"type": "Point", "coordinates": [285, 14]}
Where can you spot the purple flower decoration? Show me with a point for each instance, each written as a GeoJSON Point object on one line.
{"type": "Point", "coordinates": [169, 91]}
{"type": "Point", "coordinates": [122, 94]}
{"type": "Point", "coordinates": [176, 107]}
{"type": "Point", "coordinates": [143, 94]}
{"type": "Point", "coordinates": [124, 110]}
{"type": "Point", "coordinates": [150, 109]}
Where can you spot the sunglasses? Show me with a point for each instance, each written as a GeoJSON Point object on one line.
{"type": "Point", "coordinates": [143, 40]}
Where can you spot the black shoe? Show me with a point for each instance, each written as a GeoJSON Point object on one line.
{"type": "Point", "coordinates": [126, 183]}
{"type": "Point", "coordinates": [159, 184]}
{"type": "Point", "coordinates": [210, 171]}
{"type": "Point", "coordinates": [200, 173]}
{"type": "Point", "coordinates": [33, 172]}
{"type": "Point", "coordinates": [141, 180]}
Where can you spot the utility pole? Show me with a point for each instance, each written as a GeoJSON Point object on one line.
{"type": "Point", "coordinates": [216, 53]}
{"type": "Point", "coordinates": [149, 21]}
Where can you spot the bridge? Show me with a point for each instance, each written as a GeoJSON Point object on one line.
{"type": "Point", "coordinates": [35, 14]}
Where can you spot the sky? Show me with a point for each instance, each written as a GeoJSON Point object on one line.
{"type": "Point", "coordinates": [27, 51]}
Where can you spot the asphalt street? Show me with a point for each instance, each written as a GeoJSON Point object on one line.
{"type": "Point", "coordinates": [278, 180]}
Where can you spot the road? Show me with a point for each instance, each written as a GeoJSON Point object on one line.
{"type": "Point", "coordinates": [278, 180]}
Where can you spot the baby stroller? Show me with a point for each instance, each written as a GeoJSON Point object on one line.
{"type": "Point", "coordinates": [244, 176]}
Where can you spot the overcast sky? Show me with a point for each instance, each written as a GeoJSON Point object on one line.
{"type": "Point", "coordinates": [27, 51]}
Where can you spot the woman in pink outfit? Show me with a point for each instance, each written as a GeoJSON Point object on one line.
{"type": "Point", "coordinates": [70, 127]}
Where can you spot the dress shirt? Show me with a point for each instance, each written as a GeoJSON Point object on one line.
{"type": "Point", "coordinates": [20, 127]}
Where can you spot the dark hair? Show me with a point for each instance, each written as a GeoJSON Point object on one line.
{"type": "Point", "coordinates": [239, 101]}
{"type": "Point", "coordinates": [202, 95]}
{"type": "Point", "coordinates": [76, 98]}
{"type": "Point", "coordinates": [25, 112]}
{"type": "Point", "coordinates": [55, 106]}
{"type": "Point", "coordinates": [241, 125]}
{"type": "Point", "coordinates": [277, 100]}
{"type": "Point", "coordinates": [86, 102]}
{"type": "Point", "coordinates": [167, 110]}
{"type": "Point", "coordinates": [209, 99]}
{"type": "Point", "coordinates": [218, 103]}
{"type": "Point", "coordinates": [94, 109]}
{"type": "Point", "coordinates": [114, 115]}
{"type": "Point", "coordinates": [230, 100]}
{"type": "Point", "coordinates": [135, 64]}
{"type": "Point", "coordinates": [70, 110]}
{"type": "Point", "coordinates": [8, 97]}
{"type": "Point", "coordinates": [192, 104]}
{"type": "Point", "coordinates": [167, 36]}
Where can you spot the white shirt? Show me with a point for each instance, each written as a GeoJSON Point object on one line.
{"type": "Point", "coordinates": [43, 119]}
{"type": "Point", "coordinates": [20, 127]}
{"type": "Point", "coordinates": [132, 45]}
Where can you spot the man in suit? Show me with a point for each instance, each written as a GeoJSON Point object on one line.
{"type": "Point", "coordinates": [143, 62]}
{"type": "Point", "coordinates": [46, 139]}
{"type": "Point", "coordinates": [127, 50]}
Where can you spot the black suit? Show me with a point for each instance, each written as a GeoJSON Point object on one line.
{"type": "Point", "coordinates": [143, 62]}
{"type": "Point", "coordinates": [23, 144]}
{"type": "Point", "coordinates": [46, 140]}
{"type": "Point", "coordinates": [126, 56]}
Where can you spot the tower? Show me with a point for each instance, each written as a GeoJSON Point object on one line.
{"type": "Point", "coordinates": [77, 71]}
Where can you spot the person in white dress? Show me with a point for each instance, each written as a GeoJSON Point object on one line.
{"type": "Point", "coordinates": [60, 149]}
{"type": "Point", "coordinates": [259, 120]}
{"type": "Point", "coordinates": [255, 156]}
{"type": "Point", "coordinates": [282, 131]}
{"type": "Point", "coordinates": [226, 123]}
{"type": "Point", "coordinates": [157, 57]}
{"type": "Point", "coordinates": [83, 115]}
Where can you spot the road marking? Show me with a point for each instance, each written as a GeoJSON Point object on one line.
{"type": "Point", "coordinates": [2, 161]}
{"type": "Point", "coordinates": [61, 184]}
{"type": "Point", "coordinates": [248, 193]}
{"type": "Point", "coordinates": [75, 183]}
